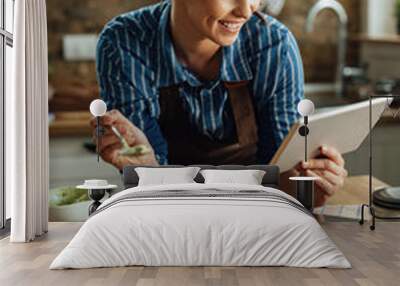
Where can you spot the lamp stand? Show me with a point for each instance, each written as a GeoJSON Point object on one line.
{"type": "Point", "coordinates": [370, 205]}
{"type": "Point", "coordinates": [99, 133]}
{"type": "Point", "coordinates": [304, 131]}
{"type": "Point", "coordinates": [97, 137]}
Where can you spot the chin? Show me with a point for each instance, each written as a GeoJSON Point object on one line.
{"type": "Point", "coordinates": [224, 40]}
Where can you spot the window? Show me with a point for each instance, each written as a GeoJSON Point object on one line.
{"type": "Point", "coordinates": [6, 44]}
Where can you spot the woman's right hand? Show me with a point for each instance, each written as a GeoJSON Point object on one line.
{"type": "Point", "coordinates": [110, 145]}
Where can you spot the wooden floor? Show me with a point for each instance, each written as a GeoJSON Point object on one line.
{"type": "Point", "coordinates": [375, 257]}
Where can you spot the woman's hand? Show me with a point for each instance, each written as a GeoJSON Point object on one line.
{"type": "Point", "coordinates": [110, 145]}
{"type": "Point", "coordinates": [329, 167]}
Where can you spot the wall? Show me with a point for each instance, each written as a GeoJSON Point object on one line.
{"type": "Point", "coordinates": [89, 16]}
{"type": "Point", "coordinates": [319, 48]}
{"type": "Point", "coordinates": [379, 17]}
{"type": "Point", "coordinates": [379, 22]}
{"type": "Point", "coordinates": [380, 56]}
{"type": "Point", "coordinates": [75, 17]}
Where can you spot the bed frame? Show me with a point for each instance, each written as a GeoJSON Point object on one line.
{"type": "Point", "coordinates": [271, 178]}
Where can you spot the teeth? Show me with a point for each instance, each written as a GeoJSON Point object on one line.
{"type": "Point", "coordinates": [231, 26]}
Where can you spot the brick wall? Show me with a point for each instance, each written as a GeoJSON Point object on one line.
{"type": "Point", "coordinates": [319, 48]}
{"type": "Point", "coordinates": [77, 16]}
{"type": "Point", "coordinates": [89, 16]}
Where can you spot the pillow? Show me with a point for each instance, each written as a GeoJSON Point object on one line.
{"type": "Point", "coordinates": [163, 176]}
{"type": "Point", "coordinates": [248, 177]}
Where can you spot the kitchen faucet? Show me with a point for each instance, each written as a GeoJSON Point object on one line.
{"type": "Point", "coordinates": [342, 36]}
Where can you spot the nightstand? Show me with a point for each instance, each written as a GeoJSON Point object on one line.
{"type": "Point", "coordinates": [305, 190]}
{"type": "Point", "coordinates": [96, 191]}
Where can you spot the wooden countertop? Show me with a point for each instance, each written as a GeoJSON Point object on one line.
{"type": "Point", "coordinates": [386, 39]}
{"type": "Point", "coordinates": [392, 115]}
{"type": "Point", "coordinates": [74, 123]}
{"type": "Point", "coordinates": [77, 123]}
{"type": "Point", "coordinates": [355, 191]}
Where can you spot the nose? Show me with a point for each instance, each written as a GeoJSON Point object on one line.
{"type": "Point", "coordinates": [246, 8]}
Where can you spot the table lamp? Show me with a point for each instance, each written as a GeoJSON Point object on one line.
{"type": "Point", "coordinates": [305, 108]}
{"type": "Point", "coordinates": [98, 108]}
{"type": "Point", "coordinates": [305, 185]}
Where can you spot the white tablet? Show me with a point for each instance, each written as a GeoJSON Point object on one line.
{"type": "Point", "coordinates": [344, 128]}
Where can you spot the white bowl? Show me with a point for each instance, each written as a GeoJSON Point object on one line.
{"type": "Point", "coordinates": [96, 184]}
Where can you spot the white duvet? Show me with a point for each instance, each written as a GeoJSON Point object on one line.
{"type": "Point", "coordinates": [202, 231]}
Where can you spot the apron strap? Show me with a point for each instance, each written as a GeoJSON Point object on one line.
{"type": "Point", "coordinates": [243, 112]}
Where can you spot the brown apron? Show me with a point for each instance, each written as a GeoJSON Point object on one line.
{"type": "Point", "coordinates": [187, 146]}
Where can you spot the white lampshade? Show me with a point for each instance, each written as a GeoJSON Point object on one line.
{"type": "Point", "coordinates": [98, 107]}
{"type": "Point", "coordinates": [305, 107]}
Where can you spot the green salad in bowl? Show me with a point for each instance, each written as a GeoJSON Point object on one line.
{"type": "Point", "coordinates": [67, 196]}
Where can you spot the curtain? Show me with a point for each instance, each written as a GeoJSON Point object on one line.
{"type": "Point", "coordinates": [27, 142]}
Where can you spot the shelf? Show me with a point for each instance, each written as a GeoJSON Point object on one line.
{"type": "Point", "coordinates": [388, 40]}
{"type": "Point", "coordinates": [71, 124]}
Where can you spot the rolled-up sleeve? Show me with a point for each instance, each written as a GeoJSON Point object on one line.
{"type": "Point", "coordinates": [119, 89]}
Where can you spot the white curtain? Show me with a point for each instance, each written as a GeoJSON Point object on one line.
{"type": "Point", "coordinates": [27, 143]}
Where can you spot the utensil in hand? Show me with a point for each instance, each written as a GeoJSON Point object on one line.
{"type": "Point", "coordinates": [128, 150]}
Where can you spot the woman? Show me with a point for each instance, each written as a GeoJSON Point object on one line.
{"type": "Point", "coordinates": [204, 81]}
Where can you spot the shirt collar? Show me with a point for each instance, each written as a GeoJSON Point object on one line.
{"type": "Point", "coordinates": [170, 71]}
{"type": "Point", "coordinates": [235, 64]}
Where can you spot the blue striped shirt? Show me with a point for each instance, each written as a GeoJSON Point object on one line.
{"type": "Point", "coordinates": [135, 58]}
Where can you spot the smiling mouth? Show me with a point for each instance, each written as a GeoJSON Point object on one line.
{"type": "Point", "coordinates": [232, 27]}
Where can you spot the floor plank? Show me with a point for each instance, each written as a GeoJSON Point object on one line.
{"type": "Point", "coordinates": [375, 257]}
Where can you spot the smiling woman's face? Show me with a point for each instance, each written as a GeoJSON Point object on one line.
{"type": "Point", "coordinates": [218, 20]}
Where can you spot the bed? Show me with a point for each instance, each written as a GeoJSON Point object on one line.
{"type": "Point", "coordinates": [198, 224]}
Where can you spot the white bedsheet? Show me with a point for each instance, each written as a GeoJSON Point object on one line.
{"type": "Point", "coordinates": [200, 231]}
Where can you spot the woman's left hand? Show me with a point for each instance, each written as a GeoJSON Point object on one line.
{"type": "Point", "coordinates": [329, 167]}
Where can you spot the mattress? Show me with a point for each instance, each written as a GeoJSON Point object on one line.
{"type": "Point", "coordinates": [201, 225]}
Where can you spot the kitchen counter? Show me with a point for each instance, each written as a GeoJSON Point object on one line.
{"type": "Point", "coordinates": [69, 124]}
{"type": "Point", "coordinates": [385, 39]}
{"type": "Point", "coordinates": [327, 99]}
{"type": "Point", "coordinates": [74, 123]}
{"type": "Point", "coordinates": [355, 191]}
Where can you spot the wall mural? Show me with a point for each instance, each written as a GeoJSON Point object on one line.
{"type": "Point", "coordinates": [73, 34]}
